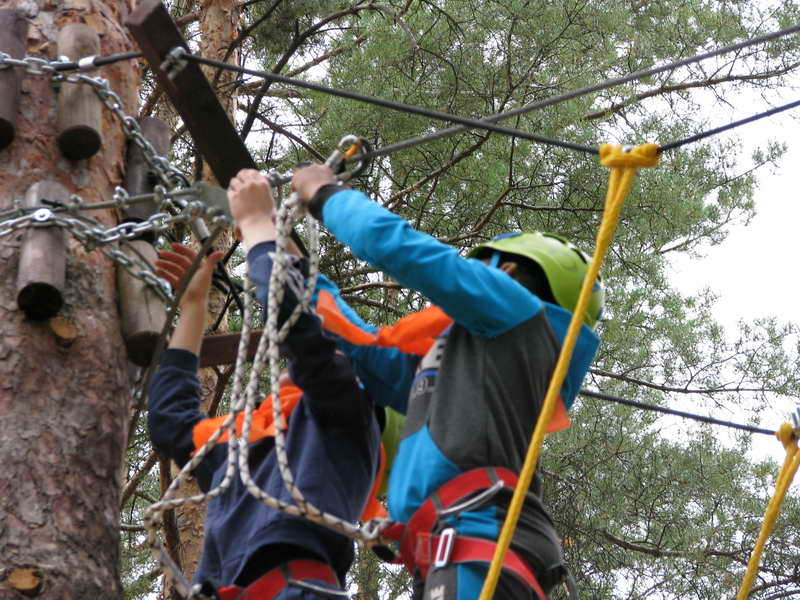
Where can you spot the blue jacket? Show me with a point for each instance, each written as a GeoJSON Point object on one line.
{"type": "Point", "coordinates": [478, 393]}
{"type": "Point", "coordinates": [332, 443]}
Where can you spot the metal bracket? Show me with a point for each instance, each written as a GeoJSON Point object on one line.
{"type": "Point", "coordinates": [796, 421]}
{"type": "Point", "coordinates": [213, 197]}
{"type": "Point", "coordinates": [473, 503]}
{"type": "Point", "coordinates": [174, 62]}
{"type": "Point", "coordinates": [42, 217]}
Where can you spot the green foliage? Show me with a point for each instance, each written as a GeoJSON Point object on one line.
{"type": "Point", "coordinates": [646, 507]}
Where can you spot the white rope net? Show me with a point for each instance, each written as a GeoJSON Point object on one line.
{"type": "Point", "coordinates": [245, 398]}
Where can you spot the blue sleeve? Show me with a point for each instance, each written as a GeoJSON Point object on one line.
{"type": "Point", "coordinates": [323, 283]}
{"type": "Point", "coordinates": [483, 299]}
{"type": "Point", "coordinates": [174, 410]}
{"type": "Point", "coordinates": [326, 377]}
{"type": "Point", "coordinates": [387, 373]}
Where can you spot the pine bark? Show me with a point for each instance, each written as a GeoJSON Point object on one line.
{"type": "Point", "coordinates": [63, 399]}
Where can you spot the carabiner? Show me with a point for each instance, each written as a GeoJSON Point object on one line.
{"type": "Point", "coordinates": [350, 148]}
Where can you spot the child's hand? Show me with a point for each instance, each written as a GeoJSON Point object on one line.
{"type": "Point", "coordinates": [172, 266]}
{"type": "Point", "coordinates": [250, 198]}
{"type": "Point", "coordinates": [307, 180]}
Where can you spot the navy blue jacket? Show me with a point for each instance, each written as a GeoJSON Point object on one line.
{"type": "Point", "coordinates": [332, 443]}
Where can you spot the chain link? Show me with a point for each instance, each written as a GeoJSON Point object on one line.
{"type": "Point", "coordinates": [31, 64]}
{"type": "Point", "coordinates": [168, 175]}
{"type": "Point", "coordinates": [93, 235]}
{"type": "Point", "coordinates": [10, 226]}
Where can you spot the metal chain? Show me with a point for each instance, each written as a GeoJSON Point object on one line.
{"type": "Point", "coordinates": [169, 176]}
{"type": "Point", "coordinates": [31, 64]}
{"type": "Point", "coordinates": [161, 167]}
{"type": "Point", "coordinates": [10, 226]}
{"type": "Point", "coordinates": [93, 235]}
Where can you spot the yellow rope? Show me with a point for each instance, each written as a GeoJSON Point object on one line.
{"type": "Point", "coordinates": [786, 435]}
{"type": "Point", "coordinates": [623, 170]}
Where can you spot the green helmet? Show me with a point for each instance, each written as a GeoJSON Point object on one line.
{"type": "Point", "coordinates": [563, 264]}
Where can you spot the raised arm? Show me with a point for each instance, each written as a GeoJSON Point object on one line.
{"type": "Point", "coordinates": [325, 376]}
{"type": "Point", "coordinates": [174, 399]}
{"type": "Point", "coordinates": [483, 299]}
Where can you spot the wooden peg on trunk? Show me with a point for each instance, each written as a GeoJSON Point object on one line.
{"type": "Point", "coordinates": [79, 108]}
{"type": "Point", "coordinates": [13, 34]}
{"type": "Point", "coordinates": [142, 312]}
{"type": "Point", "coordinates": [42, 258]}
{"type": "Point", "coordinates": [139, 179]}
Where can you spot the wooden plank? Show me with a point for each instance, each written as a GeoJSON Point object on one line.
{"type": "Point", "coordinates": [13, 34]}
{"type": "Point", "coordinates": [79, 108]}
{"type": "Point", "coordinates": [42, 258]}
{"type": "Point", "coordinates": [192, 95]}
{"type": "Point", "coordinates": [221, 349]}
{"type": "Point", "coordinates": [190, 92]}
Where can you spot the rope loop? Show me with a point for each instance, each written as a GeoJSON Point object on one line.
{"type": "Point", "coordinates": [614, 155]}
{"type": "Point", "coordinates": [786, 436]}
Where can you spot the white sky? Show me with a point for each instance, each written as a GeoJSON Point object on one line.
{"type": "Point", "coordinates": [753, 271]}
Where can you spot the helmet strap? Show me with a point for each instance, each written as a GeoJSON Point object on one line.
{"type": "Point", "coordinates": [495, 260]}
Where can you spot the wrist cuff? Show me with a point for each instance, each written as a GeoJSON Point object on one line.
{"type": "Point", "coordinates": [181, 359]}
{"type": "Point", "coordinates": [318, 201]}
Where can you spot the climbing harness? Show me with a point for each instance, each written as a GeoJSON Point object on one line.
{"type": "Point", "coordinates": [296, 573]}
{"type": "Point", "coordinates": [425, 543]}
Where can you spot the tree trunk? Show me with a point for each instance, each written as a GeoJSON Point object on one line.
{"type": "Point", "coordinates": [219, 22]}
{"type": "Point", "coordinates": [63, 398]}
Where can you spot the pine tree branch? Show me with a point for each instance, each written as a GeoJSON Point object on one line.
{"type": "Point", "coordinates": [668, 89]}
{"type": "Point", "coordinates": [172, 536]}
{"type": "Point", "coordinates": [389, 285]}
{"type": "Point", "coordinates": [395, 198]}
{"type": "Point", "coordinates": [737, 555]}
{"type": "Point", "coordinates": [680, 390]}
{"type": "Point", "coordinates": [295, 138]}
{"type": "Point", "coordinates": [133, 482]}
{"type": "Point", "coordinates": [297, 42]}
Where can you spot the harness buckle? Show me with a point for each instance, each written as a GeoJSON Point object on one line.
{"type": "Point", "coordinates": [444, 549]}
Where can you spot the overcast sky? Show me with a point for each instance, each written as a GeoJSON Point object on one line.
{"type": "Point", "coordinates": [755, 271]}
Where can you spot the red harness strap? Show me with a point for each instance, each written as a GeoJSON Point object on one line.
{"type": "Point", "coordinates": [271, 584]}
{"type": "Point", "coordinates": [420, 550]}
